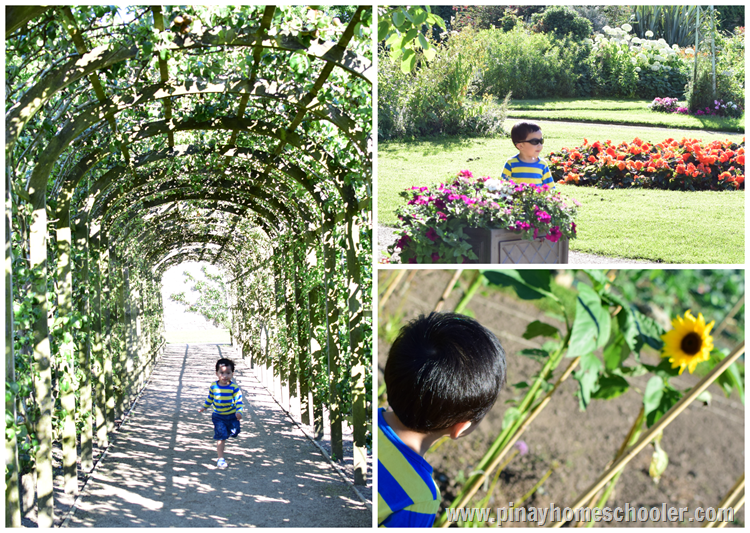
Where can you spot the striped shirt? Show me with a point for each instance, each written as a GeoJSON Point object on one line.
{"type": "Point", "coordinates": [407, 495]}
{"type": "Point", "coordinates": [533, 173]}
{"type": "Point", "coordinates": [226, 399]}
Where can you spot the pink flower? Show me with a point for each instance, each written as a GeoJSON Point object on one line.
{"type": "Point", "coordinates": [573, 227]}
{"type": "Point", "coordinates": [523, 448]}
{"type": "Point", "coordinates": [522, 226]}
{"type": "Point", "coordinates": [431, 234]}
{"type": "Point", "coordinates": [465, 174]}
{"type": "Point", "coordinates": [554, 234]}
{"type": "Point", "coordinates": [543, 217]}
{"type": "Point", "coordinates": [441, 215]}
{"type": "Point", "coordinates": [536, 233]}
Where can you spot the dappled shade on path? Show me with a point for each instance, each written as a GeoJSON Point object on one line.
{"type": "Point", "coordinates": [161, 469]}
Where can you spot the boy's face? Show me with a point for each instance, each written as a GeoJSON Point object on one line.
{"type": "Point", "coordinates": [225, 375]}
{"type": "Point", "coordinates": [530, 152]}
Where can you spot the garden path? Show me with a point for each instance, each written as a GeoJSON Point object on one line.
{"type": "Point", "coordinates": [160, 471]}
{"type": "Point", "coordinates": [387, 236]}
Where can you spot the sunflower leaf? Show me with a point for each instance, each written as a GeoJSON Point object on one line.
{"type": "Point", "coordinates": [528, 284]}
{"type": "Point", "coordinates": [537, 328]}
{"type": "Point", "coordinates": [649, 332]}
{"type": "Point", "coordinates": [610, 387]}
{"type": "Point", "coordinates": [591, 325]}
{"type": "Point", "coordinates": [587, 376]}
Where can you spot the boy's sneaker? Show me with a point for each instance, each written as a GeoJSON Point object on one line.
{"type": "Point", "coordinates": [221, 463]}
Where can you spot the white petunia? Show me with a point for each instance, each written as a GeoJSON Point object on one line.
{"type": "Point", "coordinates": [649, 34]}
{"type": "Point", "coordinates": [627, 27]}
{"type": "Point", "coordinates": [493, 185]}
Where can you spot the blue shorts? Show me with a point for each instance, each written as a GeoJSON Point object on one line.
{"type": "Point", "coordinates": [225, 426]}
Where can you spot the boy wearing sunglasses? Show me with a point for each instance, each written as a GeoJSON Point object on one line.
{"type": "Point", "coordinates": [527, 166]}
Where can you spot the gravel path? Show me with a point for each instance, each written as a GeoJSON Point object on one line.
{"type": "Point", "coordinates": [387, 235]}
{"type": "Point", "coordinates": [161, 469]}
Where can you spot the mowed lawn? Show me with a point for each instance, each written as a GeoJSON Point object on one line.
{"type": "Point", "coordinates": [612, 110]}
{"type": "Point", "coordinates": [666, 226]}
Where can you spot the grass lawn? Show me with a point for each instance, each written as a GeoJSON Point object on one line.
{"type": "Point", "coordinates": [616, 111]}
{"type": "Point", "coordinates": [673, 227]}
{"type": "Point", "coordinates": [668, 226]}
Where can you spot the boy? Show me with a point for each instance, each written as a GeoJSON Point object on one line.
{"type": "Point", "coordinates": [443, 375]}
{"type": "Point", "coordinates": [226, 399]}
{"type": "Point", "coordinates": [526, 166]}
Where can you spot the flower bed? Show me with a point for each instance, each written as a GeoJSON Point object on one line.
{"type": "Point", "coordinates": [686, 165]}
{"type": "Point", "coordinates": [433, 221]}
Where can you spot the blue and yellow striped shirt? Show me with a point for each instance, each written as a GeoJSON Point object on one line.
{"type": "Point", "coordinates": [407, 494]}
{"type": "Point", "coordinates": [532, 173]}
{"type": "Point", "coordinates": [226, 399]}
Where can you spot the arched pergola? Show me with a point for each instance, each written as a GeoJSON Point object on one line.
{"type": "Point", "coordinates": [138, 138]}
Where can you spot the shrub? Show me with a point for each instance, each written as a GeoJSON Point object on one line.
{"type": "Point", "coordinates": [613, 73]}
{"type": "Point", "coordinates": [730, 65]}
{"type": "Point", "coordinates": [531, 65]}
{"type": "Point", "coordinates": [687, 165]}
{"type": "Point", "coordinates": [437, 98]}
{"type": "Point", "coordinates": [561, 21]}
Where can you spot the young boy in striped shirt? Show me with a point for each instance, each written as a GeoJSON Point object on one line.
{"type": "Point", "coordinates": [226, 398]}
{"type": "Point", "coordinates": [443, 375]}
{"type": "Point", "coordinates": [526, 166]}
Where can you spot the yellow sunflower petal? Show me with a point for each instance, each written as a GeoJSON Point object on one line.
{"type": "Point", "coordinates": [689, 342]}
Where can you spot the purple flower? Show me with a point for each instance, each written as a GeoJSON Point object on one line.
{"type": "Point", "coordinates": [573, 227]}
{"type": "Point", "coordinates": [435, 257]}
{"type": "Point", "coordinates": [412, 260]}
{"type": "Point", "coordinates": [403, 241]}
{"type": "Point", "coordinates": [431, 234]}
{"type": "Point", "coordinates": [523, 448]}
{"type": "Point", "coordinates": [522, 226]}
{"type": "Point", "coordinates": [441, 215]}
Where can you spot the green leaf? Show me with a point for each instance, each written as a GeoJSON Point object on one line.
{"type": "Point", "coordinates": [411, 35]}
{"type": "Point", "coordinates": [587, 376]}
{"type": "Point", "coordinates": [528, 284]}
{"type": "Point", "coordinates": [408, 61]}
{"type": "Point", "coordinates": [616, 352]}
{"type": "Point", "coordinates": [535, 353]}
{"type": "Point", "coordinates": [511, 415]}
{"type": "Point", "coordinates": [537, 328]}
{"type": "Point", "coordinates": [652, 395]}
{"type": "Point", "coordinates": [649, 332]}
{"type": "Point", "coordinates": [383, 29]}
{"type": "Point", "coordinates": [520, 385]}
{"type": "Point", "coordinates": [598, 277]}
{"type": "Point", "coordinates": [423, 42]}
{"type": "Point", "coordinates": [610, 387]}
{"type": "Point", "coordinates": [591, 325]}
{"type": "Point", "coordinates": [398, 18]}
{"type": "Point", "coordinates": [420, 17]}
{"type": "Point", "coordinates": [430, 53]}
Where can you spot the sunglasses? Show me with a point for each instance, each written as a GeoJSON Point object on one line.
{"type": "Point", "coordinates": [535, 142]}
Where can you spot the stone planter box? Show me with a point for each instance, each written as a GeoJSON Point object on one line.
{"type": "Point", "coordinates": [500, 246]}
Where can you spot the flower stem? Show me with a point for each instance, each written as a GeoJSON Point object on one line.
{"type": "Point", "coordinates": [476, 282]}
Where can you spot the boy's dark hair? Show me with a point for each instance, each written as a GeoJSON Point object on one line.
{"type": "Point", "coordinates": [225, 362]}
{"type": "Point", "coordinates": [443, 369]}
{"type": "Point", "coordinates": [521, 130]}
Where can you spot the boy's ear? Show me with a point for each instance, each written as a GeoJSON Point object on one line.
{"type": "Point", "coordinates": [459, 429]}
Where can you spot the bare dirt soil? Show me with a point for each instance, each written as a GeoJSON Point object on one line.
{"type": "Point", "coordinates": [706, 444]}
{"type": "Point", "coordinates": [160, 470]}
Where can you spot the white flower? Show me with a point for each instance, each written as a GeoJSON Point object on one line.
{"type": "Point", "coordinates": [662, 42]}
{"type": "Point", "coordinates": [606, 29]}
{"type": "Point", "coordinates": [627, 27]}
{"type": "Point", "coordinates": [689, 51]}
{"type": "Point", "coordinates": [649, 34]}
{"type": "Point", "coordinates": [637, 69]}
{"type": "Point", "coordinates": [636, 40]}
{"type": "Point", "coordinates": [493, 185]}
{"type": "Point", "coordinates": [655, 67]}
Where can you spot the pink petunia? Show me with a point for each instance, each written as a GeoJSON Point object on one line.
{"type": "Point", "coordinates": [554, 234]}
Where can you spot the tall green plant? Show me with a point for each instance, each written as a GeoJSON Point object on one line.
{"type": "Point", "coordinates": [675, 23]}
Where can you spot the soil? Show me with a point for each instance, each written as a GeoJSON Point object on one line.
{"type": "Point", "coordinates": [705, 444]}
{"type": "Point", "coordinates": [160, 470]}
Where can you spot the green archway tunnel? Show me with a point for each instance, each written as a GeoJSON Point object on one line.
{"type": "Point", "coordinates": [238, 136]}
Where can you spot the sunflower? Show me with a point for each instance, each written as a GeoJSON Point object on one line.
{"type": "Point", "coordinates": [689, 342]}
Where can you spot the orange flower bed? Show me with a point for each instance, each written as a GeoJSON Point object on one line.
{"type": "Point", "coordinates": [685, 165]}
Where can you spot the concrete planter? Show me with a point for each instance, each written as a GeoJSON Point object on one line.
{"type": "Point", "coordinates": [500, 246]}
